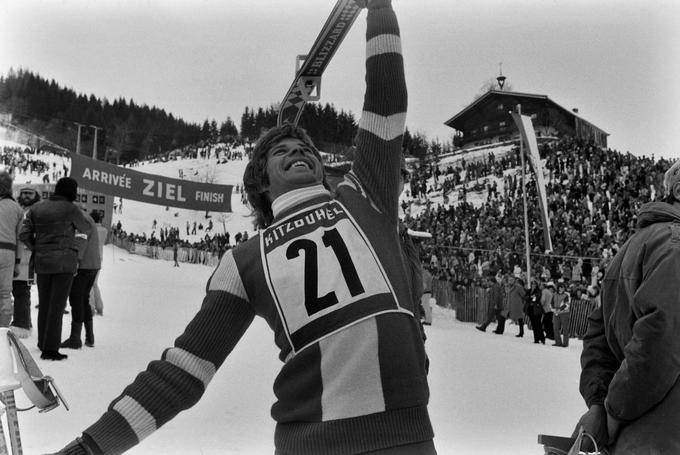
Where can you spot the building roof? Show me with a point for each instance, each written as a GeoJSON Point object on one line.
{"type": "Point", "coordinates": [453, 121]}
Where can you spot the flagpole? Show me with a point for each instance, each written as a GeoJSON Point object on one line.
{"type": "Point", "coordinates": [524, 200]}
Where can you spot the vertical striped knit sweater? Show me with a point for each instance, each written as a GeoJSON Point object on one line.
{"type": "Point", "coordinates": [329, 278]}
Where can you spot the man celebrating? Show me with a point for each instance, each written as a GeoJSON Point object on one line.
{"type": "Point", "coordinates": [630, 375]}
{"type": "Point", "coordinates": [326, 273]}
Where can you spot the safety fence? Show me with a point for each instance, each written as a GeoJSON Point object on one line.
{"type": "Point", "coordinates": [471, 304]}
{"type": "Point", "coordinates": [184, 254]}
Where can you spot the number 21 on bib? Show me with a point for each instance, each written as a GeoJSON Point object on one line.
{"type": "Point", "coordinates": [323, 274]}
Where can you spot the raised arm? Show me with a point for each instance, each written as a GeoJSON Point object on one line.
{"type": "Point", "coordinates": [381, 128]}
{"type": "Point", "coordinates": [178, 380]}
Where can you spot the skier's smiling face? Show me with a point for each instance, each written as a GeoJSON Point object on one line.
{"type": "Point", "coordinates": [291, 164]}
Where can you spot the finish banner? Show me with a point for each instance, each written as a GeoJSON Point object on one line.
{"type": "Point", "coordinates": [120, 181]}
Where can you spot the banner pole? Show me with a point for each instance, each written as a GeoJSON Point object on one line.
{"type": "Point", "coordinates": [524, 200]}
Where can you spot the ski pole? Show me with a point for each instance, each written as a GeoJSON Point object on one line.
{"type": "Point", "coordinates": [12, 422]}
{"type": "Point", "coordinates": [3, 439]}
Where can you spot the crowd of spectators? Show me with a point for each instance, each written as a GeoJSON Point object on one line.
{"type": "Point", "coordinates": [199, 251]}
{"type": "Point", "coordinates": [593, 197]}
{"type": "Point", "coordinates": [25, 161]}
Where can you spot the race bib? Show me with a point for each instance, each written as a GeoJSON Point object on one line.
{"type": "Point", "coordinates": [323, 273]}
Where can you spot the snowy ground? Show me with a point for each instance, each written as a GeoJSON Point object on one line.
{"type": "Point", "coordinates": [490, 394]}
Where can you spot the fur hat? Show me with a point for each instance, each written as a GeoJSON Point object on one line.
{"type": "Point", "coordinates": [671, 177]}
{"type": "Point", "coordinates": [67, 187]}
{"type": "Point", "coordinates": [5, 184]}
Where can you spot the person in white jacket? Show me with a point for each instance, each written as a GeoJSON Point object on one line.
{"type": "Point", "coordinates": [11, 215]}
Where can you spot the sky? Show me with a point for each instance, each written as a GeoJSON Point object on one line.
{"type": "Point", "coordinates": [614, 60]}
{"type": "Point", "coordinates": [474, 407]}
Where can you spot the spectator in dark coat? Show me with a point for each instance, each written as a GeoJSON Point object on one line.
{"type": "Point", "coordinates": [534, 310]}
{"type": "Point", "coordinates": [496, 305]}
{"type": "Point", "coordinates": [630, 377]}
{"type": "Point", "coordinates": [516, 296]}
{"type": "Point", "coordinates": [56, 231]}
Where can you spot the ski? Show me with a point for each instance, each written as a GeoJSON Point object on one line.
{"type": "Point", "coordinates": [40, 389]}
{"type": "Point", "coordinates": [306, 85]}
{"type": "Point", "coordinates": [560, 445]}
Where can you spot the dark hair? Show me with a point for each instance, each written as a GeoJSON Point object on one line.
{"type": "Point", "coordinates": [67, 187]}
{"type": "Point", "coordinates": [96, 217]}
{"type": "Point", "coordinates": [255, 176]}
{"type": "Point", "coordinates": [5, 184]}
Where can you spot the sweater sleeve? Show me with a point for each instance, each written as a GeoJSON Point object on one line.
{"type": "Point", "coordinates": [178, 380]}
{"type": "Point", "coordinates": [381, 127]}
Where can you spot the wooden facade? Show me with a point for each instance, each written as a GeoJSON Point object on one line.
{"type": "Point", "coordinates": [487, 120]}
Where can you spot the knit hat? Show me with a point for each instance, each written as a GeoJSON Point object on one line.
{"type": "Point", "coordinates": [671, 177]}
{"type": "Point", "coordinates": [28, 196]}
{"type": "Point", "coordinates": [5, 184]}
{"type": "Point", "coordinates": [67, 187]}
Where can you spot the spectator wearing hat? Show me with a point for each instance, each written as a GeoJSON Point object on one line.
{"type": "Point", "coordinates": [56, 231]}
{"type": "Point", "coordinates": [10, 246]}
{"type": "Point", "coordinates": [630, 377]}
{"type": "Point", "coordinates": [21, 286]}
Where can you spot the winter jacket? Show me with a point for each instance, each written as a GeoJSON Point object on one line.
{"type": "Point", "coordinates": [532, 303]}
{"type": "Point", "coordinates": [91, 258]}
{"type": "Point", "coordinates": [546, 300]}
{"type": "Point", "coordinates": [10, 223]}
{"type": "Point", "coordinates": [49, 230]}
{"type": "Point", "coordinates": [560, 303]}
{"type": "Point", "coordinates": [496, 298]}
{"type": "Point", "coordinates": [516, 296]}
{"type": "Point", "coordinates": [631, 351]}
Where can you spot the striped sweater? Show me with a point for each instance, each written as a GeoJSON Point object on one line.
{"type": "Point", "coordinates": [353, 377]}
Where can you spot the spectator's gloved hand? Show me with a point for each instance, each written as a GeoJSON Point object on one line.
{"type": "Point", "coordinates": [594, 422]}
{"type": "Point", "coordinates": [76, 447]}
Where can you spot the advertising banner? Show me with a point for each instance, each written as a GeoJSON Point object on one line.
{"type": "Point", "coordinates": [526, 129]}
